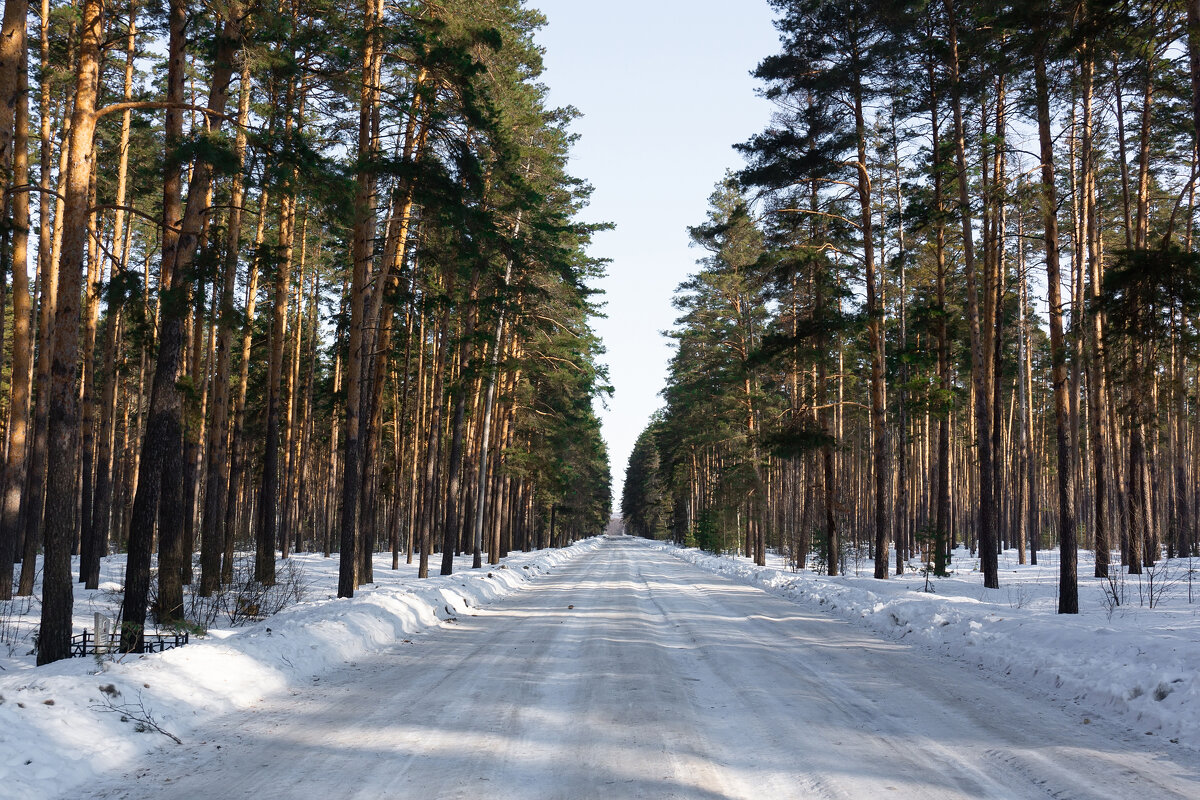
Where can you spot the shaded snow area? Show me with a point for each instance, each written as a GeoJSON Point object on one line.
{"type": "Point", "coordinates": [1132, 653]}
{"type": "Point", "coordinates": [64, 723]}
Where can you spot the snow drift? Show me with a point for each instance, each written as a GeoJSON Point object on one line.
{"type": "Point", "coordinates": [64, 723]}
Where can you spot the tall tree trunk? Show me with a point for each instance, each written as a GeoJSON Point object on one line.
{"type": "Point", "coordinates": [18, 426]}
{"type": "Point", "coordinates": [1025, 446]}
{"type": "Point", "coordinates": [453, 480]}
{"type": "Point", "coordinates": [363, 236]}
{"type": "Point", "coordinates": [13, 46]}
{"type": "Point", "coordinates": [160, 468]}
{"type": "Point", "coordinates": [979, 360]}
{"type": "Point", "coordinates": [489, 404]}
{"type": "Point", "coordinates": [291, 433]}
{"type": "Point", "coordinates": [237, 452]}
{"type": "Point", "coordinates": [875, 343]}
{"type": "Point", "coordinates": [1097, 368]}
{"type": "Point", "coordinates": [380, 318]}
{"type": "Point", "coordinates": [941, 537]}
{"type": "Point", "coordinates": [904, 530]}
{"type": "Point", "coordinates": [54, 640]}
{"type": "Point", "coordinates": [1068, 594]}
{"type": "Point", "coordinates": [1186, 533]}
{"type": "Point", "coordinates": [995, 269]}
{"type": "Point", "coordinates": [434, 441]}
{"type": "Point", "coordinates": [160, 479]}
{"type": "Point", "coordinates": [268, 496]}
{"type": "Point", "coordinates": [824, 412]}
{"type": "Point", "coordinates": [88, 547]}
{"type": "Point", "coordinates": [105, 463]}
{"type": "Point", "coordinates": [216, 488]}
{"type": "Point", "coordinates": [34, 497]}
{"type": "Point", "coordinates": [1182, 541]}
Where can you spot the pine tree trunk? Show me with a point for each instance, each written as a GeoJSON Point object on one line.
{"type": "Point", "coordinates": [903, 517]}
{"type": "Point", "coordinates": [363, 236]}
{"type": "Point", "coordinates": [489, 405]}
{"type": "Point", "coordinates": [216, 489]}
{"type": "Point", "coordinates": [290, 436]}
{"type": "Point", "coordinates": [378, 337]}
{"type": "Point", "coordinates": [995, 269]}
{"type": "Point", "coordinates": [13, 46]}
{"type": "Point", "coordinates": [105, 462]}
{"type": "Point", "coordinates": [54, 639]}
{"type": "Point", "coordinates": [196, 410]}
{"type": "Point", "coordinates": [875, 315]}
{"type": "Point", "coordinates": [266, 530]}
{"type": "Point", "coordinates": [941, 542]}
{"type": "Point", "coordinates": [1068, 598]}
{"type": "Point", "coordinates": [34, 495]}
{"type": "Point", "coordinates": [237, 450]}
{"type": "Point", "coordinates": [420, 408]}
{"type": "Point", "coordinates": [824, 413]}
{"type": "Point", "coordinates": [18, 426]}
{"type": "Point", "coordinates": [980, 360]}
{"type": "Point", "coordinates": [1025, 454]}
{"type": "Point", "coordinates": [434, 439]}
{"type": "Point", "coordinates": [453, 480]}
{"type": "Point", "coordinates": [1096, 363]}
{"type": "Point", "coordinates": [89, 552]}
{"type": "Point", "coordinates": [161, 469]}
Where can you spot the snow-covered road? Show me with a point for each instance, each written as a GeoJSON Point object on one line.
{"type": "Point", "coordinates": [663, 680]}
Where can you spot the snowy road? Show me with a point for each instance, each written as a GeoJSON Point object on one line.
{"type": "Point", "coordinates": [662, 681]}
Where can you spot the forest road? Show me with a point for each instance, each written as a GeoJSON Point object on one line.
{"type": "Point", "coordinates": [662, 681]}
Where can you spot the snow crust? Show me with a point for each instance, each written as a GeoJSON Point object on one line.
{"type": "Point", "coordinates": [1137, 664]}
{"type": "Point", "coordinates": [58, 726]}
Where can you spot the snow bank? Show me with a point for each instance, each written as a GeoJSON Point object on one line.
{"type": "Point", "coordinates": [64, 723]}
{"type": "Point", "coordinates": [1136, 662]}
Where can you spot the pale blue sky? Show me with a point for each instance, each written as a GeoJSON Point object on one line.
{"type": "Point", "coordinates": [665, 90]}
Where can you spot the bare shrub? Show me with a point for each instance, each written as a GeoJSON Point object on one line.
{"type": "Point", "coordinates": [1113, 591]}
{"type": "Point", "coordinates": [1156, 582]}
{"type": "Point", "coordinates": [245, 600]}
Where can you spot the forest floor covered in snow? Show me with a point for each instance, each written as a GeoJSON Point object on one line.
{"type": "Point", "coordinates": [622, 653]}
{"type": "Point", "coordinates": [628, 672]}
{"type": "Point", "coordinates": [1133, 650]}
{"type": "Point", "coordinates": [64, 723]}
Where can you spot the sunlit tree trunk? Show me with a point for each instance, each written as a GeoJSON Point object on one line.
{"type": "Point", "coordinates": [237, 449]}
{"type": "Point", "coordinates": [363, 236]}
{"type": "Point", "coordinates": [1097, 368]}
{"type": "Point", "coordinates": [211, 539]}
{"type": "Point", "coordinates": [34, 496]}
{"type": "Point", "coordinates": [18, 426]}
{"type": "Point", "coordinates": [54, 639]}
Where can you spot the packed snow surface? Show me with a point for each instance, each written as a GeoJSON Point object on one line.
{"type": "Point", "coordinates": [622, 668]}
{"type": "Point", "coordinates": [62, 724]}
{"type": "Point", "coordinates": [1132, 653]}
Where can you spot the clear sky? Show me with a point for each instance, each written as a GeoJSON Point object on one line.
{"type": "Point", "coordinates": [665, 90]}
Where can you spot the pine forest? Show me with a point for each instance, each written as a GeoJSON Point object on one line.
{"type": "Point", "coordinates": [544, 399]}
{"type": "Point", "coordinates": [951, 299]}
{"type": "Point", "coordinates": [285, 277]}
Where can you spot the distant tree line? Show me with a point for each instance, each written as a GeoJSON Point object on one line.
{"type": "Point", "coordinates": [951, 299]}
{"type": "Point", "coordinates": [289, 276]}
